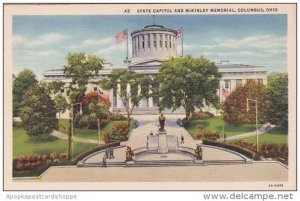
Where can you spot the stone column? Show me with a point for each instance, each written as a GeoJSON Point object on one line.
{"type": "Point", "coordinates": [128, 91]}
{"type": "Point", "coordinates": [119, 101]}
{"type": "Point", "coordinates": [150, 100]}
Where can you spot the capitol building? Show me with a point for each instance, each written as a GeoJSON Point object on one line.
{"type": "Point", "coordinates": [152, 45]}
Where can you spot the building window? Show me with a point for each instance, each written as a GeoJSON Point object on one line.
{"type": "Point", "coordinates": [138, 42]}
{"type": "Point", "coordinates": [170, 44]}
{"type": "Point", "coordinates": [160, 41]}
{"type": "Point", "coordinates": [154, 40]}
{"type": "Point", "coordinates": [238, 83]}
{"type": "Point", "coordinates": [166, 44]}
{"type": "Point", "coordinates": [148, 39]}
{"type": "Point", "coordinates": [143, 41]}
{"type": "Point", "coordinates": [227, 82]}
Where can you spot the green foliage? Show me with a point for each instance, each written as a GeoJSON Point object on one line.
{"type": "Point", "coordinates": [21, 83]}
{"type": "Point", "coordinates": [188, 82]}
{"type": "Point", "coordinates": [80, 68]}
{"type": "Point", "coordinates": [96, 111]}
{"type": "Point", "coordinates": [123, 79]}
{"type": "Point", "coordinates": [278, 97]}
{"type": "Point", "coordinates": [60, 104]}
{"type": "Point", "coordinates": [235, 106]}
{"type": "Point", "coordinates": [55, 86]}
{"type": "Point", "coordinates": [38, 112]}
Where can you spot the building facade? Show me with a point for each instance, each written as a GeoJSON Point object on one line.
{"type": "Point", "coordinates": [150, 47]}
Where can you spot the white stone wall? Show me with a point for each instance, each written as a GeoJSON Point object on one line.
{"type": "Point", "coordinates": [164, 38]}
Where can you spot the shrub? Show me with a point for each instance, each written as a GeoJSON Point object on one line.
{"type": "Point", "coordinates": [241, 150]}
{"type": "Point", "coordinates": [120, 132]}
{"type": "Point", "coordinates": [209, 135]}
{"type": "Point", "coordinates": [117, 117]}
{"type": "Point", "coordinates": [106, 137]}
{"type": "Point", "coordinates": [34, 161]}
{"type": "Point", "coordinates": [185, 122]}
{"type": "Point", "coordinates": [202, 115]}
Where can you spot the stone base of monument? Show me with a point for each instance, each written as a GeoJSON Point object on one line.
{"type": "Point", "coordinates": [162, 132]}
{"type": "Point", "coordinates": [130, 163]}
{"type": "Point", "coordinates": [199, 162]}
{"type": "Point", "coordinates": [162, 150]}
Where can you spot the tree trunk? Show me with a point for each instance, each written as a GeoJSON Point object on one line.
{"type": "Point", "coordinates": [70, 141]}
{"type": "Point", "coordinates": [128, 120]}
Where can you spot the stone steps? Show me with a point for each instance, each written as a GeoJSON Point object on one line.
{"type": "Point", "coordinates": [166, 163]}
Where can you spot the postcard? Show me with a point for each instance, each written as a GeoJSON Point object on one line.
{"type": "Point", "coordinates": [150, 97]}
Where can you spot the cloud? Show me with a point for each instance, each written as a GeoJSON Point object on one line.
{"type": "Point", "coordinates": [18, 40]}
{"type": "Point", "coordinates": [261, 42]}
{"type": "Point", "coordinates": [42, 53]}
{"type": "Point", "coordinates": [94, 42]}
{"type": "Point", "coordinates": [45, 39]}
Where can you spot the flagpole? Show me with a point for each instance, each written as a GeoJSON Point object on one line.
{"type": "Point", "coordinates": [181, 42]}
{"type": "Point", "coordinates": [127, 43]}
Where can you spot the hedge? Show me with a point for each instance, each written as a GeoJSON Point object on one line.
{"type": "Point", "coordinates": [241, 150]}
{"type": "Point", "coordinates": [90, 151]}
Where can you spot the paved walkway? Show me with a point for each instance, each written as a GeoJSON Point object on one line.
{"type": "Point", "coordinates": [265, 128]}
{"type": "Point", "coordinates": [64, 136]}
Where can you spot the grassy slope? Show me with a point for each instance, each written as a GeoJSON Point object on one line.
{"type": "Point", "coordinates": [24, 144]}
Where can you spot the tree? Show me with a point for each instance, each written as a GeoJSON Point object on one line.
{"type": "Point", "coordinates": [60, 104]}
{"type": "Point", "coordinates": [235, 105]}
{"type": "Point", "coordinates": [55, 86]}
{"type": "Point", "coordinates": [95, 107]}
{"type": "Point", "coordinates": [129, 92]}
{"type": "Point", "coordinates": [38, 112]}
{"type": "Point", "coordinates": [21, 83]}
{"type": "Point", "coordinates": [278, 96]}
{"type": "Point", "coordinates": [80, 68]}
{"type": "Point", "coordinates": [188, 82]}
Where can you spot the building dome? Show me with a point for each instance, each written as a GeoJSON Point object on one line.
{"type": "Point", "coordinates": [153, 42]}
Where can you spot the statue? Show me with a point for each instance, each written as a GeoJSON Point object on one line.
{"type": "Point", "coordinates": [129, 153]}
{"type": "Point", "coordinates": [161, 120]}
{"type": "Point", "coordinates": [198, 152]}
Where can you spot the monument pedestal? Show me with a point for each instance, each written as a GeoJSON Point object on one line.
{"type": "Point", "coordinates": [196, 161]}
{"type": "Point", "coordinates": [162, 144]}
{"type": "Point", "coordinates": [130, 163]}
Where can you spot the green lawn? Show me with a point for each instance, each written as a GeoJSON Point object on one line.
{"type": "Point", "coordinates": [24, 144]}
{"type": "Point", "coordinates": [277, 135]}
{"type": "Point", "coordinates": [88, 133]}
{"type": "Point", "coordinates": [216, 124]}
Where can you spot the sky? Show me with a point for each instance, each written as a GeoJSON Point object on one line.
{"type": "Point", "coordinates": [42, 42]}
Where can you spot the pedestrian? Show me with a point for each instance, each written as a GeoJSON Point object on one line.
{"type": "Point", "coordinates": [182, 139]}
{"type": "Point", "coordinates": [106, 153]}
{"type": "Point", "coordinates": [151, 133]}
{"type": "Point", "coordinates": [225, 138]}
{"type": "Point", "coordinates": [104, 165]}
{"type": "Point", "coordinates": [111, 153]}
